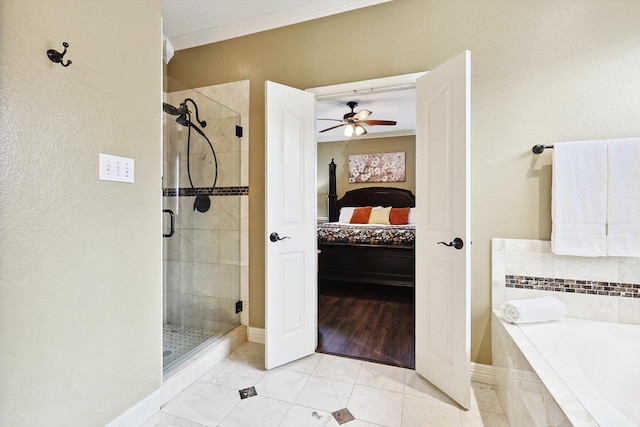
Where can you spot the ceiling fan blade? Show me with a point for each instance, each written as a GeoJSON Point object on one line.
{"type": "Point", "coordinates": [379, 122]}
{"type": "Point", "coordinates": [362, 115]}
{"type": "Point", "coordinates": [334, 120]}
{"type": "Point", "coordinates": [333, 127]}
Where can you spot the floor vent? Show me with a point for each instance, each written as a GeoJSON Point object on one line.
{"type": "Point", "coordinates": [343, 416]}
{"type": "Point", "coordinates": [248, 392]}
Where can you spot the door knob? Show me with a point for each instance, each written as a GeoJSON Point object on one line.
{"type": "Point", "coordinates": [274, 237]}
{"type": "Point", "coordinates": [457, 243]}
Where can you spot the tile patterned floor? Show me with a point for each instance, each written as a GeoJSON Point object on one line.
{"type": "Point", "coordinates": [309, 391]}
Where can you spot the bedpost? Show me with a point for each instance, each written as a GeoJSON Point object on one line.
{"type": "Point", "coordinates": [332, 196]}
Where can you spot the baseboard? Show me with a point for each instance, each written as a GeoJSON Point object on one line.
{"type": "Point", "coordinates": [255, 335]}
{"type": "Point", "coordinates": [138, 413]}
{"type": "Point", "coordinates": [482, 373]}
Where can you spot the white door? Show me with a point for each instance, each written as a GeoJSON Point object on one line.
{"type": "Point", "coordinates": [442, 291]}
{"type": "Point", "coordinates": [290, 204]}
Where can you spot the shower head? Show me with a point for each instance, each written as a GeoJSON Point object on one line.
{"type": "Point", "coordinates": [170, 109]}
{"type": "Point", "coordinates": [183, 112]}
{"type": "Point", "coordinates": [202, 202]}
{"type": "Point", "coordinates": [182, 120]}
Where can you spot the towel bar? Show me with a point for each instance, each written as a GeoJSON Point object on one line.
{"type": "Point", "coordinates": [537, 149]}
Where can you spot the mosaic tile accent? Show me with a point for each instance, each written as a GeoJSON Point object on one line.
{"type": "Point", "coordinates": [218, 191]}
{"type": "Point", "coordinates": [628, 290]}
{"type": "Point", "coordinates": [343, 416]}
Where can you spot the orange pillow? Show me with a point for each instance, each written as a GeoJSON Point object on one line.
{"type": "Point", "coordinates": [361, 215]}
{"type": "Point", "coordinates": [399, 216]}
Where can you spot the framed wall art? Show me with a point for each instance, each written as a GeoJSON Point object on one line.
{"type": "Point", "coordinates": [377, 167]}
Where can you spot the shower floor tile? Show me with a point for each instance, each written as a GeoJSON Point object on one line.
{"type": "Point", "coordinates": [179, 340]}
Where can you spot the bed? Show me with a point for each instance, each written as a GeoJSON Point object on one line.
{"type": "Point", "coordinates": [367, 253]}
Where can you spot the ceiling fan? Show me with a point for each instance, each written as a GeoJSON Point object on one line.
{"type": "Point", "coordinates": [354, 121]}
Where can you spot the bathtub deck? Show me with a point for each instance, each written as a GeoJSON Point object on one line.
{"type": "Point", "coordinates": [527, 386]}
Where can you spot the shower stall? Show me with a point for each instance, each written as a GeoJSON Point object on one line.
{"type": "Point", "coordinates": [201, 208]}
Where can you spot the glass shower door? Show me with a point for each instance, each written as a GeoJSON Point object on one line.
{"type": "Point", "coordinates": [201, 243]}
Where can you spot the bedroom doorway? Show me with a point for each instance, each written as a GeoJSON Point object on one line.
{"type": "Point", "coordinates": [443, 275]}
{"type": "Point", "coordinates": [443, 227]}
{"type": "Point", "coordinates": [360, 319]}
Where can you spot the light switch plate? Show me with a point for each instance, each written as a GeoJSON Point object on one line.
{"type": "Point", "coordinates": [116, 168]}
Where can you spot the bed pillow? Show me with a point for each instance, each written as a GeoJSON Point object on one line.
{"type": "Point", "coordinates": [361, 215]}
{"type": "Point", "coordinates": [413, 216]}
{"type": "Point", "coordinates": [345, 214]}
{"type": "Point", "coordinates": [399, 216]}
{"type": "Point", "coordinates": [379, 216]}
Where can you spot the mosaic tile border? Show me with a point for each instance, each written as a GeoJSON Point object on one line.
{"type": "Point", "coordinates": [218, 191]}
{"type": "Point", "coordinates": [627, 290]}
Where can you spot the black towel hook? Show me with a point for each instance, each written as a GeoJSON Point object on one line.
{"type": "Point", "coordinates": [56, 56]}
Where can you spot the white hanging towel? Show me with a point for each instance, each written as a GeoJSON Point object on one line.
{"type": "Point", "coordinates": [579, 198]}
{"type": "Point", "coordinates": [623, 215]}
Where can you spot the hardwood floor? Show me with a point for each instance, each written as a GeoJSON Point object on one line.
{"type": "Point", "coordinates": [368, 322]}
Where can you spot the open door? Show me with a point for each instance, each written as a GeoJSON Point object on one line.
{"type": "Point", "coordinates": [290, 241]}
{"type": "Point", "coordinates": [443, 253]}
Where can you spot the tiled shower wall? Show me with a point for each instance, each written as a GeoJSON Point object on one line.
{"type": "Point", "coordinates": [236, 97]}
{"type": "Point", "coordinates": [206, 260]}
{"type": "Point", "coordinates": [600, 288]}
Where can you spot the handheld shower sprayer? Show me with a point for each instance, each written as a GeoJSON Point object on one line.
{"type": "Point", "coordinates": [202, 202]}
{"type": "Point", "coordinates": [183, 112]}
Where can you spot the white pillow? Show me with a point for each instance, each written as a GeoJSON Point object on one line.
{"type": "Point", "coordinates": [413, 216]}
{"type": "Point", "coordinates": [345, 214]}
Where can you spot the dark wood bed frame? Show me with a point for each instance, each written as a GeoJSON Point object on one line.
{"type": "Point", "coordinates": [385, 265]}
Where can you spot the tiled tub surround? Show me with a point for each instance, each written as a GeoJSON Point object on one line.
{"type": "Point", "coordinates": [525, 382]}
{"type": "Point", "coordinates": [604, 289]}
{"type": "Point", "coordinates": [574, 286]}
{"type": "Point", "coordinates": [560, 373]}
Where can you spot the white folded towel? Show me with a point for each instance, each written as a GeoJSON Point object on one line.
{"type": "Point", "coordinates": [623, 215]}
{"type": "Point", "coordinates": [543, 309]}
{"type": "Point", "coordinates": [579, 198]}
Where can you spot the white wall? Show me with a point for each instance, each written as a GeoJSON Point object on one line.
{"type": "Point", "coordinates": [80, 259]}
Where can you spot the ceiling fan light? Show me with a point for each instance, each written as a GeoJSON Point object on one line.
{"type": "Point", "coordinates": [349, 130]}
{"type": "Point", "coordinates": [360, 130]}
{"type": "Point", "coordinates": [362, 115]}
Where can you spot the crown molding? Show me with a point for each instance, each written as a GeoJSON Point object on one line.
{"type": "Point", "coordinates": [304, 13]}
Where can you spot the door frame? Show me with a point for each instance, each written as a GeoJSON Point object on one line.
{"type": "Point", "coordinates": [399, 82]}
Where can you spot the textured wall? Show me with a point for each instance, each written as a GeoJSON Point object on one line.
{"type": "Point", "coordinates": [542, 71]}
{"type": "Point", "coordinates": [80, 259]}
